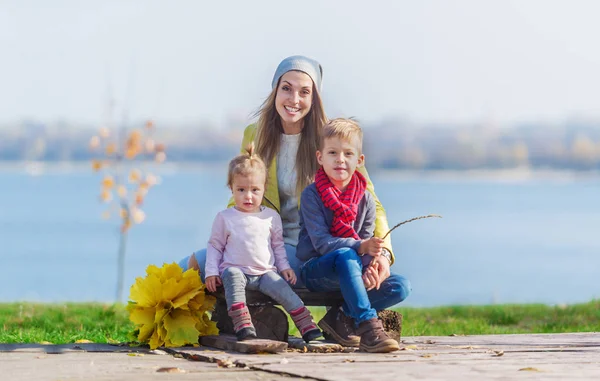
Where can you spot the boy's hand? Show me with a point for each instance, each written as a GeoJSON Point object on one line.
{"type": "Point", "coordinates": [371, 246]}
{"type": "Point", "coordinates": [289, 275]}
{"type": "Point", "coordinates": [212, 282]}
{"type": "Point", "coordinates": [383, 267]}
{"type": "Point", "coordinates": [371, 278]}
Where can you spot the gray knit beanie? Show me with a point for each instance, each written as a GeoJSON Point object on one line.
{"type": "Point", "coordinates": [303, 64]}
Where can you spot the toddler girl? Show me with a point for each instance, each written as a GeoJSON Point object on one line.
{"type": "Point", "coordinates": [246, 251]}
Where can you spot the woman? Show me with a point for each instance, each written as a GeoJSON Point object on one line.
{"type": "Point", "coordinates": [287, 137]}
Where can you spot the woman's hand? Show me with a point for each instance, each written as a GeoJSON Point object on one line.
{"type": "Point", "coordinates": [212, 282]}
{"type": "Point", "coordinates": [289, 275]}
{"type": "Point", "coordinates": [371, 246]}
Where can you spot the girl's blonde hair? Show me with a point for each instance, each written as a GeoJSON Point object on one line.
{"type": "Point", "coordinates": [246, 164]}
{"type": "Point", "coordinates": [269, 130]}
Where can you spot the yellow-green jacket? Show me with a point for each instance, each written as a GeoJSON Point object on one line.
{"type": "Point", "coordinates": [271, 197]}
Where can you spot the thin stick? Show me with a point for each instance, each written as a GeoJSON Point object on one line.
{"type": "Point", "coordinates": [407, 221]}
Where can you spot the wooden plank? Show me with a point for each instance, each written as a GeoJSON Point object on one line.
{"type": "Point", "coordinates": [230, 343]}
{"type": "Point", "coordinates": [568, 356]}
{"type": "Point", "coordinates": [65, 348]}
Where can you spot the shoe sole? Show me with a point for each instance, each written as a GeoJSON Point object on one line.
{"type": "Point", "coordinates": [312, 336]}
{"type": "Point", "coordinates": [384, 347]}
{"type": "Point", "coordinates": [331, 332]}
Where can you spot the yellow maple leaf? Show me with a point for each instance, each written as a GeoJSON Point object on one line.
{"type": "Point", "coordinates": [144, 319]}
{"type": "Point", "coordinates": [181, 329]}
{"type": "Point", "coordinates": [169, 307]}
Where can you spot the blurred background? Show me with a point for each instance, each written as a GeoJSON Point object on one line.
{"type": "Point", "coordinates": [487, 113]}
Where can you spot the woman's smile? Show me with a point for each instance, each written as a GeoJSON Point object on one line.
{"type": "Point", "coordinates": [291, 109]}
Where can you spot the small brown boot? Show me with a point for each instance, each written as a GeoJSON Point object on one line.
{"type": "Point", "coordinates": [340, 327]}
{"type": "Point", "coordinates": [374, 339]}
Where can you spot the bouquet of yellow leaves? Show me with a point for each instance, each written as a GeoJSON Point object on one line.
{"type": "Point", "coordinates": [169, 307]}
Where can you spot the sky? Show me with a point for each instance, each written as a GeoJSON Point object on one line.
{"type": "Point", "coordinates": [189, 61]}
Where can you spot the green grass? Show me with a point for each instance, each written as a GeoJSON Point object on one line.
{"type": "Point", "coordinates": [494, 319]}
{"type": "Point", "coordinates": [501, 319]}
{"type": "Point", "coordinates": [63, 323]}
{"type": "Point", "coordinates": [67, 323]}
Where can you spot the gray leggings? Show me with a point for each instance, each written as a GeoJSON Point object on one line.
{"type": "Point", "coordinates": [270, 283]}
{"type": "Point", "coordinates": [289, 249]}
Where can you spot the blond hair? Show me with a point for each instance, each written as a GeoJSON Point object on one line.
{"type": "Point", "coordinates": [342, 128]}
{"type": "Point", "coordinates": [269, 130]}
{"type": "Point", "coordinates": [246, 164]}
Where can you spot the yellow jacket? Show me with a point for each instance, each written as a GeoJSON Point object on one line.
{"type": "Point", "coordinates": [271, 197]}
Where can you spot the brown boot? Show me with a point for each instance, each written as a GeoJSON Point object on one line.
{"type": "Point", "coordinates": [340, 327]}
{"type": "Point", "coordinates": [374, 339]}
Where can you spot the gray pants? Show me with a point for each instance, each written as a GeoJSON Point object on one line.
{"type": "Point", "coordinates": [270, 283]}
{"type": "Point", "coordinates": [289, 249]}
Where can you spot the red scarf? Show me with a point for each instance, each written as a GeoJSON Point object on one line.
{"type": "Point", "coordinates": [344, 205]}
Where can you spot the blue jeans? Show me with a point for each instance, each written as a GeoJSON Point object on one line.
{"type": "Point", "coordinates": [341, 270]}
{"type": "Point", "coordinates": [289, 249]}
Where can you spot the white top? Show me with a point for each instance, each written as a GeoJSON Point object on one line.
{"type": "Point", "coordinates": [286, 182]}
{"type": "Point", "coordinates": [252, 242]}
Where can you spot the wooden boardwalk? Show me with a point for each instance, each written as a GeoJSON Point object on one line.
{"type": "Point", "coordinates": [569, 356]}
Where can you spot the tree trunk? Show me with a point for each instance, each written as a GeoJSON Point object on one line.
{"type": "Point", "coordinates": [270, 322]}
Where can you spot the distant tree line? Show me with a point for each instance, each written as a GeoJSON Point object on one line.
{"type": "Point", "coordinates": [390, 144]}
{"type": "Point", "coordinates": [570, 146]}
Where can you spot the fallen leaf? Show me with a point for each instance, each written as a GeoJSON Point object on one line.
{"type": "Point", "coordinates": [427, 355]}
{"type": "Point", "coordinates": [463, 347]}
{"type": "Point", "coordinates": [530, 369]}
{"type": "Point", "coordinates": [349, 360]}
{"type": "Point", "coordinates": [429, 342]}
{"type": "Point", "coordinates": [225, 364]}
{"type": "Point", "coordinates": [135, 354]}
{"type": "Point", "coordinates": [409, 348]}
{"type": "Point", "coordinates": [83, 341]}
{"type": "Point", "coordinates": [170, 370]}
{"type": "Point", "coordinates": [304, 349]}
{"type": "Point", "coordinates": [499, 353]}
{"type": "Point", "coordinates": [46, 343]}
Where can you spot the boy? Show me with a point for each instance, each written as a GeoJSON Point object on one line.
{"type": "Point", "coordinates": [337, 219]}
